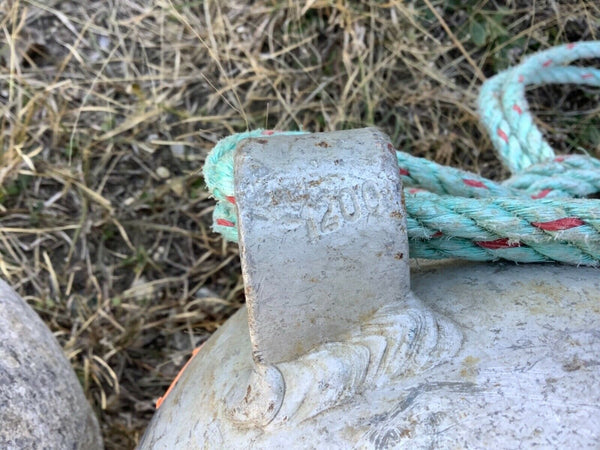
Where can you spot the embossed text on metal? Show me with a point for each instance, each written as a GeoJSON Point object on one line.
{"type": "Point", "coordinates": [322, 236]}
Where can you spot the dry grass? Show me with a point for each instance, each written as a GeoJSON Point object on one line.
{"type": "Point", "coordinates": [109, 108]}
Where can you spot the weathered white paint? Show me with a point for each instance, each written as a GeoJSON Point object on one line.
{"type": "Point", "coordinates": [523, 370]}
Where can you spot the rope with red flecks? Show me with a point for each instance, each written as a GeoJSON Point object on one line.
{"type": "Point", "coordinates": [537, 215]}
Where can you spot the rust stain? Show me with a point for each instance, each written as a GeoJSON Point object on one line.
{"type": "Point", "coordinates": [300, 349]}
{"type": "Point", "coordinates": [402, 199]}
{"type": "Point", "coordinates": [396, 215]}
{"type": "Point", "coordinates": [323, 144]}
{"type": "Point", "coordinates": [469, 369]}
{"type": "Point", "coordinates": [399, 255]}
{"type": "Point", "coordinates": [248, 393]}
{"type": "Point", "coordinates": [574, 364]}
{"type": "Point", "coordinates": [405, 433]}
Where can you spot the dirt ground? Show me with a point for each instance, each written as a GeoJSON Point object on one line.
{"type": "Point", "coordinates": [109, 107]}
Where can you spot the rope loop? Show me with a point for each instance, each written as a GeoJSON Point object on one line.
{"type": "Point", "coordinates": [539, 214]}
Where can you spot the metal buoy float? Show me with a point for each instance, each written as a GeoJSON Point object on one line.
{"type": "Point", "coordinates": [340, 348]}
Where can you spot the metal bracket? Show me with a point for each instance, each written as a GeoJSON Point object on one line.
{"type": "Point", "coordinates": [322, 234]}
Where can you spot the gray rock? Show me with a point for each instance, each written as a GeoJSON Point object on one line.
{"type": "Point", "coordinates": [42, 405]}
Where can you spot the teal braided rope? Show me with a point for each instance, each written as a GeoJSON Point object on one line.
{"type": "Point", "coordinates": [503, 227]}
{"type": "Point", "coordinates": [218, 174]}
{"type": "Point", "coordinates": [504, 110]}
{"type": "Point", "coordinates": [534, 216]}
{"type": "Point", "coordinates": [564, 176]}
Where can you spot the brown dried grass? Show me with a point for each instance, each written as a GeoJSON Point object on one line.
{"type": "Point", "coordinates": [98, 98]}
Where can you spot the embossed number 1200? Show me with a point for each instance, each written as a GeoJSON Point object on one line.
{"type": "Point", "coordinates": [349, 205]}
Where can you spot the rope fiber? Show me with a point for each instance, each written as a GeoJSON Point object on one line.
{"type": "Point", "coordinates": [539, 214]}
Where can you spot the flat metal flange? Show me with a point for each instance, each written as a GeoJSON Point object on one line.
{"type": "Point", "coordinates": [322, 233]}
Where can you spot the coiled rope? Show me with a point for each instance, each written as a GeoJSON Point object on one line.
{"type": "Point", "coordinates": [537, 215]}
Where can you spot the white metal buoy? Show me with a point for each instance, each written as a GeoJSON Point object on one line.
{"type": "Point", "coordinates": [339, 349]}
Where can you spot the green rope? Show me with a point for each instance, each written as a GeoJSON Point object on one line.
{"type": "Point", "coordinates": [534, 216]}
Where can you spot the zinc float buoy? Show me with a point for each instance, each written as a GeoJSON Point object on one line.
{"type": "Point", "coordinates": [344, 345]}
